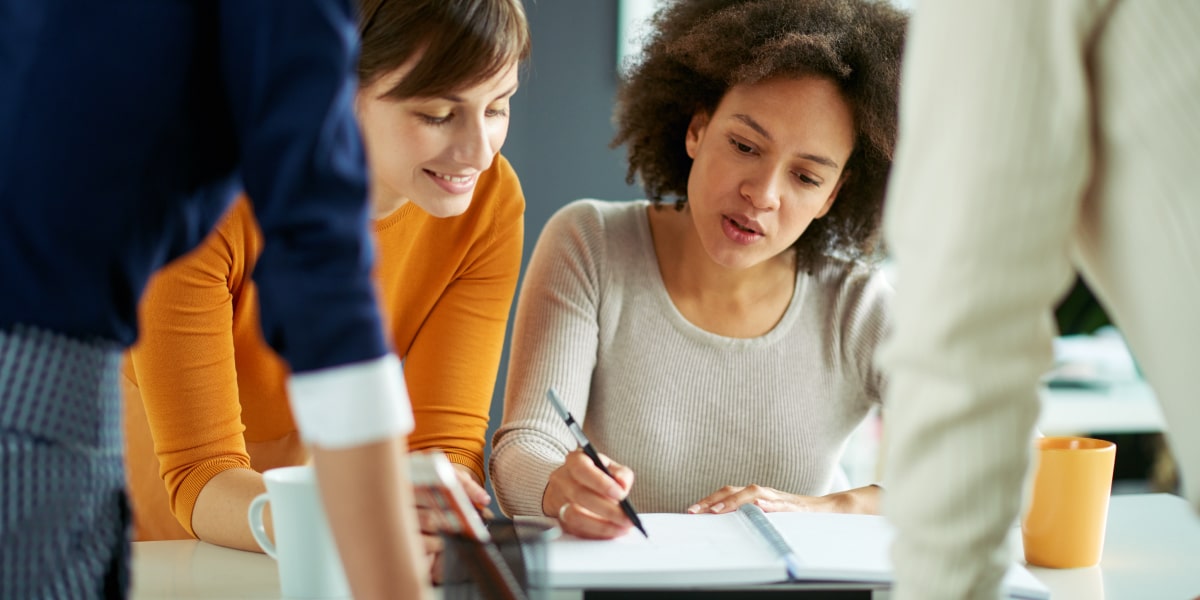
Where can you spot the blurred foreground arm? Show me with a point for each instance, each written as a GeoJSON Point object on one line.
{"type": "Point", "coordinates": [373, 529]}
{"type": "Point", "coordinates": [990, 168]}
{"type": "Point", "coordinates": [354, 417]}
{"type": "Point", "coordinates": [288, 67]}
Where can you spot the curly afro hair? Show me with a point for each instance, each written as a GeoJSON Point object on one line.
{"type": "Point", "coordinates": [698, 49]}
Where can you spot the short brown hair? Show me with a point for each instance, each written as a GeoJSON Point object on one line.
{"type": "Point", "coordinates": [464, 42]}
{"type": "Point", "coordinates": [700, 48]}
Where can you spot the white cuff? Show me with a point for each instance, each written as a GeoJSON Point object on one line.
{"type": "Point", "coordinates": [351, 405]}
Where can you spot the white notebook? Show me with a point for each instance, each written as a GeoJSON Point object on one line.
{"type": "Point", "coordinates": [686, 551]}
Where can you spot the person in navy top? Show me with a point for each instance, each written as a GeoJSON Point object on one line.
{"type": "Point", "coordinates": [126, 127]}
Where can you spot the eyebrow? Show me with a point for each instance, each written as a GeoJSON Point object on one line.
{"type": "Point", "coordinates": [817, 158]}
{"type": "Point", "coordinates": [459, 100]}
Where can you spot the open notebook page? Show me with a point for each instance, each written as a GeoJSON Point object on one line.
{"type": "Point", "coordinates": [681, 551]}
{"type": "Point", "coordinates": [722, 550]}
{"type": "Point", "coordinates": [843, 547]}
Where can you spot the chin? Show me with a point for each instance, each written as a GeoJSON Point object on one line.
{"type": "Point", "coordinates": [443, 208]}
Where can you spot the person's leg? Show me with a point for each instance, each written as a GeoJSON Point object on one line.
{"type": "Point", "coordinates": [64, 519]}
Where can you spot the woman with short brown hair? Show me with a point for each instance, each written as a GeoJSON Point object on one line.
{"type": "Point", "coordinates": [207, 410]}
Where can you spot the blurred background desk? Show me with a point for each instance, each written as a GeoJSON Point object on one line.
{"type": "Point", "coordinates": [1152, 550]}
{"type": "Point", "coordinates": [1125, 412]}
{"type": "Point", "coordinates": [1125, 407]}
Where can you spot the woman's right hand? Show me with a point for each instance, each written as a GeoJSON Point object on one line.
{"type": "Point", "coordinates": [585, 501]}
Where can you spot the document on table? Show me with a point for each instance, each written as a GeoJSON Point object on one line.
{"type": "Point", "coordinates": [690, 551]}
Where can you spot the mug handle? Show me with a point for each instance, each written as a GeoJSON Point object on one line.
{"type": "Point", "coordinates": [255, 514]}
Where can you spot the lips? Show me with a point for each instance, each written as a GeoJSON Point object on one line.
{"type": "Point", "coordinates": [452, 183]}
{"type": "Point", "coordinates": [453, 179]}
{"type": "Point", "coordinates": [745, 224]}
{"type": "Point", "coordinates": [743, 233]}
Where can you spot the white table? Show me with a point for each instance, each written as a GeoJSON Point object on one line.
{"type": "Point", "coordinates": [1152, 550]}
{"type": "Point", "coordinates": [191, 569]}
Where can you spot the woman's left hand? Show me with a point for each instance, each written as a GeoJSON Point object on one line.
{"type": "Point", "coordinates": [863, 500]}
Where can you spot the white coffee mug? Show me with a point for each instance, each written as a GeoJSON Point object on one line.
{"type": "Point", "coordinates": [309, 566]}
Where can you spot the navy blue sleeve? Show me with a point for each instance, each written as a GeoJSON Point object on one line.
{"type": "Point", "coordinates": [288, 67]}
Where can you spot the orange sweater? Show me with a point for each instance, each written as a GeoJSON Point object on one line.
{"type": "Point", "coordinates": [213, 393]}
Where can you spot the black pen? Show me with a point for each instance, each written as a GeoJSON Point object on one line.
{"type": "Point", "coordinates": [591, 453]}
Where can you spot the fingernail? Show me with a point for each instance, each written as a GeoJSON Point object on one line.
{"type": "Point", "coordinates": [616, 493]}
{"type": "Point", "coordinates": [718, 506]}
{"type": "Point", "coordinates": [693, 509]}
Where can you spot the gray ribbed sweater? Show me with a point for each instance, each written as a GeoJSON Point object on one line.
{"type": "Point", "coordinates": [689, 411]}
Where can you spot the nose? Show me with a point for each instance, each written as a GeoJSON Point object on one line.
{"type": "Point", "coordinates": [763, 188]}
{"type": "Point", "coordinates": [473, 145]}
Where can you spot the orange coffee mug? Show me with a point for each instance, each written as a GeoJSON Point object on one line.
{"type": "Point", "coordinates": [1064, 525]}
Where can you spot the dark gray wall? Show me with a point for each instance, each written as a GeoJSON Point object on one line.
{"type": "Point", "coordinates": [562, 123]}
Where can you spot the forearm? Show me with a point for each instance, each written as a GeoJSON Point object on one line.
{"type": "Point", "coordinates": [469, 472]}
{"type": "Point", "coordinates": [452, 363]}
{"type": "Point", "coordinates": [521, 467]}
{"type": "Point", "coordinates": [864, 500]}
{"type": "Point", "coordinates": [451, 388]}
{"type": "Point", "coordinates": [369, 501]}
{"type": "Point", "coordinates": [219, 516]}
{"type": "Point", "coordinates": [354, 418]}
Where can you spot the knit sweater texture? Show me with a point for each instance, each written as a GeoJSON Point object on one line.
{"type": "Point", "coordinates": [689, 411]}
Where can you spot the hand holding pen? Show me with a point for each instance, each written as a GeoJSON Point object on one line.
{"type": "Point", "coordinates": [589, 494]}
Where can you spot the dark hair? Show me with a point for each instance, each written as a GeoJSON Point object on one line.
{"type": "Point", "coordinates": [464, 42]}
{"type": "Point", "coordinates": [698, 49]}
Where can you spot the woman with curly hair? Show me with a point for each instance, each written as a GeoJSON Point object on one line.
{"type": "Point", "coordinates": [721, 348]}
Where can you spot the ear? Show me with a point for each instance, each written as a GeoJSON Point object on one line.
{"type": "Point", "coordinates": [832, 195]}
{"type": "Point", "coordinates": [695, 132]}
{"type": "Point", "coordinates": [360, 97]}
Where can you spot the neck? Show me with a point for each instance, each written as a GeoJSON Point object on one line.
{"type": "Point", "coordinates": [384, 202]}
{"type": "Point", "coordinates": [682, 259]}
{"type": "Point", "coordinates": [731, 302]}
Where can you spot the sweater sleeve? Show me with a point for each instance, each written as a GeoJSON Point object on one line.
{"type": "Point", "coordinates": [555, 341]}
{"type": "Point", "coordinates": [985, 195]}
{"type": "Point", "coordinates": [451, 365]}
{"type": "Point", "coordinates": [289, 81]}
{"type": "Point", "coordinates": [184, 365]}
{"type": "Point", "coordinates": [865, 320]}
